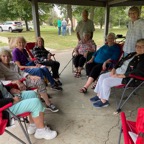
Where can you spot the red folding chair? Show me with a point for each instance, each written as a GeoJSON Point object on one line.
{"type": "Point", "coordinates": [29, 47]}
{"type": "Point", "coordinates": [136, 127]}
{"type": "Point", "coordinates": [3, 123]}
{"type": "Point", "coordinates": [122, 102]}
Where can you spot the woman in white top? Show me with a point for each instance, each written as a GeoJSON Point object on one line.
{"type": "Point", "coordinates": [132, 64]}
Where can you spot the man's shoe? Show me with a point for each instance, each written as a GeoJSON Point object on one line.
{"type": "Point", "coordinates": [31, 129]}
{"type": "Point", "coordinates": [45, 133]}
{"type": "Point", "coordinates": [54, 87]}
{"type": "Point", "coordinates": [59, 83]}
{"type": "Point", "coordinates": [52, 108]}
{"type": "Point", "coordinates": [100, 104]}
{"type": "Point", "coordinates": [94, 99]}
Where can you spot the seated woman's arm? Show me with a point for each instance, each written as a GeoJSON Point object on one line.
{"type": "Point", "coordinates": [22, 66]}
{"type": "Point", "coordinates": [139, 70]}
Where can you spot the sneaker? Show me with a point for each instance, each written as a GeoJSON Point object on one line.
{"type": "Point", "coordinates": [54, 87]}
{"type": "Point", "coordinates": [45, 133]}
{"type": "Point", "coordinates": [100, 104]}
{"type": "Point", "coordinates": [31, 129]}
{"type": "Point", "coordinates": [94, 99]}
{"type": "Point", "coordinates": [52, 108]}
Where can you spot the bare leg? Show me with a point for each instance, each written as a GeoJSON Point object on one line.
{"type": "Point", "coordinates": [79, 69]}
{"type": "Point", "coordinates": [89, 82]}
{"type": "Point", "coordinates": [39, 121]}
{"type": "Point", "coordinates": [45, 97]}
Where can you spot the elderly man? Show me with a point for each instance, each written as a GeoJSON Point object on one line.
{"type": "Point", "coordinates": [85, 25]}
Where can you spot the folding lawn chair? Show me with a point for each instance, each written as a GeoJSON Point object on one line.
{"type": "Point", "coordinates": [122, 102]}
{"type": "Point", "coordinates": [4, 123]}
{"type": "Point", "coordinates": [133, 131]}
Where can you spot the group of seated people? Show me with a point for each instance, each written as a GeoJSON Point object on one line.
{"type": "Point", "coordinates": [109, 54]}
{"type": "Point", "coordinates": [17, 67]}
{"type": "Point", "coordinates": [25, 100]}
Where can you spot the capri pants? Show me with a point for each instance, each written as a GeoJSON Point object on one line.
{"type": "Point", "coordinates": [79, 61]}
{"type": "Point", "coordinates": [29, 103]}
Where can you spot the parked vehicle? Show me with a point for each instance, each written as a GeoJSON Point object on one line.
{"type": "Point", "coordinates": [11, 26]}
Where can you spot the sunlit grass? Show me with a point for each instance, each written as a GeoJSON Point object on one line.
{"type": "Point", "coordinates": [52, 40]}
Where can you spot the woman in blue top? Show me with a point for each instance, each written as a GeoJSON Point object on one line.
{"type": "Point", "coordinates": [107, 53]}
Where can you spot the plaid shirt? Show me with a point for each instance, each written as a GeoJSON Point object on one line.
{"type": "Point", "coordinates": [134, 33]}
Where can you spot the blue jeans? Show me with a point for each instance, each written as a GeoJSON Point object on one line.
{"type": "Point", "coordinates": [59, 30]}
{"type": "Point", "coordinates": [41, 72]}
{"type": "Point", "coordinates": [64, 30]}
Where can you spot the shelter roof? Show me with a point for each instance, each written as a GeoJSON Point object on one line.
{"type": "Point", "coordinates": [101, 3]}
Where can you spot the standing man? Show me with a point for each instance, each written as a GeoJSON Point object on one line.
{"type": "Point", "coordinates": [135, 30]}
{"type": "Point", "coordinates": [85, 25]}
{"type": "Point", "coordinates": [59, 26]}
{"type": "Point", "coordinates": [64, 25]}
{"type": "Point", "coordinates": [69, 26]}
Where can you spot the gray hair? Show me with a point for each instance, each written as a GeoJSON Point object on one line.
{"type": "Point", "coordinates": [140, 41]}
{"type": "Point", "coordinates": [112, 34]}
{"type": "Point", "coordinates": [86, 33]}
{"type": "Point", "coordinates": [5, 50]}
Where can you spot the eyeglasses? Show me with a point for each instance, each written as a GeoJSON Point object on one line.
{"type": "Point", "coordinates": [140, 47]}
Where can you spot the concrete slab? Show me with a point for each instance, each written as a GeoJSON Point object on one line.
{"type": "Point", "coordinates": [78, 122]}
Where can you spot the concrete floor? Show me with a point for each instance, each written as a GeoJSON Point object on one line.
{"type": "Point", "coordinates": [78, 122]}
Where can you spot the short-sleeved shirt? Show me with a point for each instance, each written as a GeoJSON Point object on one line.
{"type": "Point", "coordinates": [21, 56]}
{"type": "Point", "coordinates": [84, 47]}
{"type": "Point", "coordinates": [107, 52]}
{"type": "Point", "coordinates": [85, 26]}
{"type": "Point", "coordinates": [59, 23]}
{"type": "Point", "coordinates": [134, 33]}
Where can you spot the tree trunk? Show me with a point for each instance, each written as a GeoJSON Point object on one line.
{"type": "Point", "coordinates": [92, 13]}
{"type": "Point", "coordinates": [69, 15]}
{"type": "Point", "coordinates": [26, 24]}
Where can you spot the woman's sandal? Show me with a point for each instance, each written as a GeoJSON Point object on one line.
{"type": "Point", "coordinates": [93, 86]}
{"type": "Point", "coordinates": [78, 74]}
{"type": "Point", "coordinates": [75, 74]}
{"type": "Point", "coordinates": [83, 90]}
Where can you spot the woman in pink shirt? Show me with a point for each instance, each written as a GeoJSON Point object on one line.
{"type": "Point", "coordinates": [81, 51]}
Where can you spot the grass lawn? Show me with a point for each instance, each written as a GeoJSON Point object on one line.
{"type": "Point", "coordinates": [52, 40]}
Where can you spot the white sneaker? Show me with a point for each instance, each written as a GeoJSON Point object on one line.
{"type": "Point", "coordinates": [31, 129]}
{"type": "Point", "coordinates": [46, 133]}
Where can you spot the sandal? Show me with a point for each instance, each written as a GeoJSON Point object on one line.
{"type": "Point", "coordinates": [78, 74]}
{"type": "Point", "coordinates": [83, 90]}
{"type": "Point", "coordinates": [93, 86]}
{"type": "Point", "coordinates": [75, 74]}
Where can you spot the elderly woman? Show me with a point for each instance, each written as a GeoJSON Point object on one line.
{"type": "Point", "coordinates": [107, 53]}
{"type": "Point", "coordinates": [27, 101]}
{"type": "Point", "coordinates": [44, 57]}
{"type": "Point", "coordinates": [133, 63]}
{"type": "Point", "coordinates": [10, 73]}
{"type": "Point", "coordinates": [81, 51]}
{"type": "Point", "coordinates": [21, 58]}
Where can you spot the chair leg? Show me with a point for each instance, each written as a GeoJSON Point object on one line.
{"type": "Point", "coordinates": [15, 137]}
{"type": "Point", "coordinates": [122, 104]}
{"type": "Point", "coordinates": [120, 136]}
{"type": "Point", "coordinates": [24, 131]}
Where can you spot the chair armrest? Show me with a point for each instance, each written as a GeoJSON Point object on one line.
{"type": "Point", "coordinates": [5, 107]}
{"type": "Point", "coordinates": [136, 77]}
